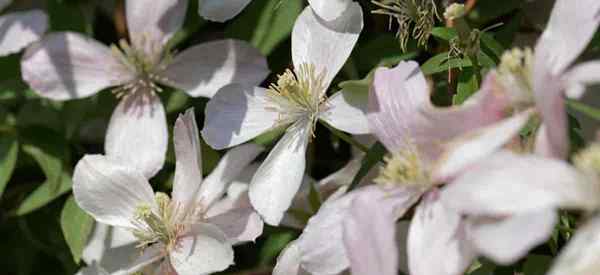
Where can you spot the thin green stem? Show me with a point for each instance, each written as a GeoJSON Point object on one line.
{"type": "Point", "coordinates": [346, 137]}
{"type": "Point", "coordinates": [585, 109]}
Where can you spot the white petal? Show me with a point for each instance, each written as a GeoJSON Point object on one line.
{"type": "Point", "coordinates": [507, 184]}
{"type": "Point", "coordinates": [326, 45]}
{"type": "Point", "coordinates": [288, 262]}
{"type": "Point", "coordinates": [20, 29]}
{"type": "Point", "coordinates": [278, 179]}
{"type": "Point", "coordinates": [151, 26]}
{"type": "Point", "coordinates": [221, 10]}
{"type": "Point", "coordinates": [228, 169]}
{"type": "Point", "coordinates": [580, 76]}
{"type": "Point", "coordinates": [188, 167]}
{"type": "Point", "coordinates": [329, 9]}
{"type": "Point", "coordinates": [109, 190]}
{"type": "Point", "coordinates": [241, 224]}
{"type": "Point", "coordinates": [348, 112]}
{"type": "Point", "coordinates": [68, 65]}
{"type": "Point", "coordinates": [510, 239]}
{"type": "Point", "coordinates": [237, 114]}
{"type": "Point", "coordinates": [204, 69]}
{"type": "Point", "coordinates": [150, 255]}
{"type": "Point", "coordinates": [137, 133]}
{"type": "Point", "coordinates": [571, 27]}
{"type": "Point", "coordinates": [437, 243]}
{"type": "Point", "coordinates": [580, 256]}
{"type": "Point", "coordinates": [112, 247]}
{"type": "Point", "coordinates": [205, 251]}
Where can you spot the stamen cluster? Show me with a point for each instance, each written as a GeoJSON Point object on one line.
{"type": "Point", "coordinates": [157, 225]}
{"type": "Point", "coordinates": [516, 73]}
{"type": "Point", "coordinates": [403, 168]}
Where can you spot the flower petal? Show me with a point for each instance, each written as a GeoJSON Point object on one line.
{"type": "Point", "coordinates": [436, 235]}
{"type": "Point", "coordinates": [401, 113]}
{"type": "Point", "coordinates": [241, 224]}
{"type": "Point", "coordinates": [550, 103]}
{"type": "Point", "coordinates": [329, 9]}
{"type": "Point", "coordinates": [288, 262]}
{"type": "Point", "coordinates": [20, 29]}
{"type": "Point", "coordinates": [205, 251]}
{"type": "Point", "coordinates": [150, 255]}
{"type": "Point", "coordinates": [347, 112]}
{"type": "Point", "coordinates": [228, 169]}
{"type": "Point", "coordinates": [580, 256]}
{"type": "Point", "coordinates": [326, 45]}
{"type": "Point", "coordinates": [188, 166]}
{"type": "Point", "coordinates": [278, 179]}
{"type": "Point", "coordinates": [109, 190]}
{"type": "Point", "coordinates": [137, 133]}
{"type": "Point", "coordinates": [580, 76]}
{"type": "Point", "coordinates": [508, 184]}
{"type": "Point", "coordinates": [204, 69]}
{"type": "Point", "coordinates": [68, 66]}
{"type": "Point", "coordinates": [111, 247]}
{"type": "Point", "coordinates": [151, 26]}
{"type": "Point", "coordinates": [219, 10]}
{"type": "Point", "coordinates": [237, 114]}
{"type": "Point", "coordinates": [570, 28]}
{"type": "Point", "coordinates": [508, 240]}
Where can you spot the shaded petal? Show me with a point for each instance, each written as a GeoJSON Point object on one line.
{"type": "Point", "coordinates": [151, 26]}
{"type": "Point", "coordinates": [137, 133]}
{"type": "Point", "coordinates": [68, 66]}
{"type": "Point", "coordinates": [580, 256]}
{"type": "Point", "coordinates": [436, 235]}
{"type": "Point", "coordinates": [347, 112]}
{"type": "Point", "coordinates": [150, 255]}
{"type": "Point", "coordinates": [188, 166]}
{"type": "Point", "coordinates": [507, 184]}
{"type": "Point", "coordinates": [580, 76]}
{"type": "Point", "coordinates": [288, 262]}
{"type": "Point", "coordinates": [237, 114]}
{"type": "Point", "coordinates": [508, 240]}
{"type": "Point", "coordinates": [326, 45]}
{"type": "Point", "coordinates": [109, 190]}
{"type": "Point", "coordinates": [550, 103]}
{"type": "Point", "coordinates": [204, 69]}
{"type": "Point", "coordinates": [20, 29]}
{"type": "Point", "coordinates": [329, 9]}
{"type": "Point", "coordinates": [370, 229]}
{"type": "Point", "coordinates": [570, 28]}
{"type": "Point", "coordinates": [205, 250]}
{"type": "Point", "coordinates": [401, 114]}
{"type": "Point", "coordinates": [112, 248]}
{"type": "Point", "coordinates": [228, 169]}
{"type": "Point", "coordinates": [220, 10]}
{"type": "Point", "coordinates": [278, 179]}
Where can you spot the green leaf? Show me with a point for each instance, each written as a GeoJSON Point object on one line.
{"type": "Point", "coordinates": [49, 150]}
{"type": "Point", "coordinates": [382, 50]}
{"type": "Point", "coordinates": [76, 227]}
{"type": "Point", "coordinates": [266, 23]}
{"type": "Point", "coordinates": [62, 19]}
{"type": "Point", "coordinates": [373, 156]}
{"type": "Point", "coordinates": [444, 33]}
{"type": "Point", "coordinates": [44, 195]}
{"type": "Point", "coordinates": [467, 86]}
{"type": "Point", "coordinates": [536, 264]}
{"type": "Point", "coordinates": [492, 47]}
{"type": "Point", "coordinates": [9, 148]}
{"type": "Point", "coordinates": [440, 63]}
{"type": "Point", "coordinates": [273, 246]}
{"type": "Point", "coordinates": [584, 109]}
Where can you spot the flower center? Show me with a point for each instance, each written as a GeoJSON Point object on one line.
{"type": "Point", "coordinates": [297, 94]}
{"type": "Point", "coordinates": [160, 226]}
{"type": "Point", "coordinates": [403, 168]}
{"type": "Point", "coordinates": [515, 73]}
{"type": "Point", "coordinates": [588, 160]}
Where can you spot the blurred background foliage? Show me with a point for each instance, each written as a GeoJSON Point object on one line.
{"type": "Point", "coordinates": [42, 231]}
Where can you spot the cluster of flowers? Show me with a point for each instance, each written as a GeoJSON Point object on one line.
{"type": "Point", "coordinates": [480, 188]}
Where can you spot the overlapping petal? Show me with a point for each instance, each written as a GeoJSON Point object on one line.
{"type": "Point", "coordinates": [221, 10]}
{"type": "Point", "coordinates": [329, 9]}
{"type": "Point", "coordinates": [188, 166]}
{"type": "Point", "coordinates": [580, 256]}
{"type": "Point", "coordinates": [347, 111]}
{"type": "Point", "coordinates": [19, 29]}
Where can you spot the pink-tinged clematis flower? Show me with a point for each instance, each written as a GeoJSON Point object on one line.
{"type": "Point", "coordinates": [542, 77]}
{"type": "Point", "coordinates": [19, 29]}
{"type": "Point", "coordinates": [296, 101]}
{"type": "Point", "coordinates": [191, 232]}
{"type": "Point", "coordinates": [417, 134]}
{"type": "Point", "coordinates": [65, 66]}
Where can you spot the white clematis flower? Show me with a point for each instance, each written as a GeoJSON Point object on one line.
{"type": "Point", "coordinates": [191, 232]}
{"type": "Point", "coordinates": [19, 29]}
{"type": "Point", "coordinates": [67, 65]}
{"type": "Point", "coordinates": [297, 101]}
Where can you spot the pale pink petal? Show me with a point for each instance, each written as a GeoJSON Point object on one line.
{"type": "Point", "coordinates": [205, 250]}
{"type": "Point", "coordinates": [149, 256]}
{"type": "Point", "coordinates": [326, 45]}
{"type": "Point", "coordinates": [347, 111]}
{"type": "Point", "coordinates": [111, 247]}
{"type": "Point", "coordinates": [580, 76]}
{"type": "Point", "coordinates": [370, 228]}
{"type": "Point", "coordinates": [204, 69]}
{"type": "Point", "coordinates": [580, 256]}
{"type": "Point", "coordinates": [221, 10]}
{"type": "Point", "coordinates": [437, 243]}
{"type": "Point", "coordinates": [110, 190]}
{"type": "Point", "coordinates": [151, 26]}
{"type": "Point", "coordinates": [507, 184]}
{"type": "Point", "coordinates": [401, 114]}
{"type": "Point", "coordinates": [278, 179]}
{"type": "Point", "coordinates": [20, 29]}
{"type": "Point", "coordinates": [507, 240]}
{"type": "Point", "coordinates": [188, 165]}
{"type": "Point", "coordinates": [69, 65]}
{"type": "Point", "coordinates": [571, 27]}
{"type": "Point", "coordinates": [550, 103]}
{"type": "Point", "coordinates": [237, 114]}
{"type": "Point", "coordinates": [137, 133]}
{"type": "Point", "coordinates": [329, 9]}
{"type": "Point", "coordinates": [289, 261]}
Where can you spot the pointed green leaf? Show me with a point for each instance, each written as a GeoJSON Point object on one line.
{"type": "Point", "coordinates": [9, 148]}
{"type": "Point", "coordinates": [76, 227]}
{"type": "Point", "coordinates": [44, 195]}
{"type": "Point", "coordinates": [49, 150]}
{"type": "Point", "coordinates": [373, 156]}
